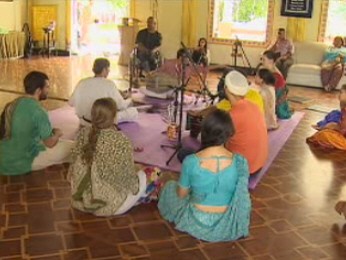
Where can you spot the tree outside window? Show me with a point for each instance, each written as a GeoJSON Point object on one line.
{"type": "Point", "coordinates": [246, 20]}
{"type": "Point", "coordinates": [336, 20]}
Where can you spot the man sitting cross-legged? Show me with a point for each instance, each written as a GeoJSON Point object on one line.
{"type": "Point", "coordinates": [90, 89]}
{"type": "Point", "coordinates": [250, 138]}
{"type": "Point", "coordinates": [27, 140]}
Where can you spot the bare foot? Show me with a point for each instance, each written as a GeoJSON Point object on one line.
{"type": "Point", "coordinates": [340, 207]}
{"type": "Point", "coordinates": [327, 88]}
{"type": "Point", "coordinates": [315, 127]}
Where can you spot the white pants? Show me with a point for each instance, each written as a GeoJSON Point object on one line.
{"type": "Point", "coordinates": [127, 115]}
{"type": "Point", "coordinates": [131, 200]}
{"type": "Point", "coordinates": [60, 153]}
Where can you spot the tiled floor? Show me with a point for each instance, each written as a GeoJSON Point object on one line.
{"type": "Point", "coordinates": [292, 216]}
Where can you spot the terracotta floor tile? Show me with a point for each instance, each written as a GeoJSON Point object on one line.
{"type": "Point", "coordinates": [14, 188]}
{"type": "Point", "coordinates": [312, 252]}
{"type": "Point", "coordinates": [68, 227]}
{"type": "Point", "coordinates": [14, 232]}
{"type": "Point", "coordinates": [133, 250]}
{"type": "Point", "coordinates": [281, 226]}
{"type": "Point", "coordinates": [121, 221]}
{"type": "Point", "coordinates": [162, 247]}
{"type": "Point", "coordinates": [227, 250]}
{"type": "Point", "coordinates": [144, 213]}
{"type": "Point", "coordinates": [80, 254]}
{"type": "Point", "coordinates": [15, 208]}
{"type": "Point", "coordinates": [10, 248]}
{"type": "Point", "coordinates": [43, 244]}
{"type": "Point", "coordinates": [317, 236]}
{"type": "Point", "coordinates": [292, 217]}
{"type": "Point", "coordinates": [38, 195]}
{"type": "Point", "coordinates": [100, 249]}
{"type": "Point", "coordinates": [154, 231]}
{"type": "Point", "coordinates": [187, 242]}
{"type": "Point", "coordinates": [335, 251]}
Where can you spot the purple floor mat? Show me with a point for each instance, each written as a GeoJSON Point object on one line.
{"type": "Point", "coordinates": [147, 133]}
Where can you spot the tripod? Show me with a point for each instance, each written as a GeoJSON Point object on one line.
{"type": "Point", "coordinates": [180, 89]}
{"type": "Point", "coordinates": [235, 52]}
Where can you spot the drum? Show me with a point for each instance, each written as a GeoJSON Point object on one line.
{"type": "Point", "coordinates": [194, 124]}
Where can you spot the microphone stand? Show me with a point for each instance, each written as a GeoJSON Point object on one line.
{"type": "Point", "coordinates": [181, 88]}
{"type": "Point", "coordinates": [205, 90]}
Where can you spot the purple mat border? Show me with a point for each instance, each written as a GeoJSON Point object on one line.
{"type": "Point", "coordinates": [147, 133]}
{"type": "Point", "coordinates": [279, 136]}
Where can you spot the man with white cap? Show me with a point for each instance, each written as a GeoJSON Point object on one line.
{"type": "Point", "coordinates": [250, 138]}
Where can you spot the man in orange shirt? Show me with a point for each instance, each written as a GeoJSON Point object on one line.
{"type": "Point", "coordinates": [251, 138]}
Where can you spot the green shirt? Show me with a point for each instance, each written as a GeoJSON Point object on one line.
{"type": "Point", "coordinates": [30, 125]}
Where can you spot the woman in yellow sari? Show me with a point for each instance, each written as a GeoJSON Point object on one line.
{"type": "Point", "coordinates": [333, 135]}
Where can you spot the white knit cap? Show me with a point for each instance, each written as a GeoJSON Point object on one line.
{"type": "Point", "coordinates": [236, 83]}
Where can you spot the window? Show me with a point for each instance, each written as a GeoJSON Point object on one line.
{"type": "Point", "coordinates": [333, 19]}
{"type": "Point", "coordinates": [246, 20]}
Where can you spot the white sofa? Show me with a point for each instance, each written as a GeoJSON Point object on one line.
{"type": "Point", "coordinates": [306, 70]}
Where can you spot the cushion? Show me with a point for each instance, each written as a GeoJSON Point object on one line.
{"type": "Point", "coordinates": [163, 95]}
{"type": "Point", "coordinates": [309, 52]}
{"type": "Point", "coordinates": [305, 69]}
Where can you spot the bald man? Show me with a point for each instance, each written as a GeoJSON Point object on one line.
{"type": "Point", "coordinates": [148, 43]}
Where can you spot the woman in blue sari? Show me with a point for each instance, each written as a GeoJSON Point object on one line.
{"type": "Point", "coordinates": [211, 200]}
{"type": "Point", "coordinates": [333, 64]}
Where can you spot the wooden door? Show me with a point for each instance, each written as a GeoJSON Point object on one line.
{"type": "Point", "coordinates": [42, 16]}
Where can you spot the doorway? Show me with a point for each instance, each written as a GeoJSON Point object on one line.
{"type": "Point", "coordinates": [95, 26]}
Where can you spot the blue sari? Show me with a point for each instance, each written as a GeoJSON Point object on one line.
{"type": "Point", "coordinates": [230, 225]}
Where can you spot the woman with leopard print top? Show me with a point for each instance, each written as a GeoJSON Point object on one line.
{"type": "Point", "coordinates": [103, 178]}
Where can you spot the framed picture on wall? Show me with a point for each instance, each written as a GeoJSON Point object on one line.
{"type": "Point", "coordinates": [297, 8]}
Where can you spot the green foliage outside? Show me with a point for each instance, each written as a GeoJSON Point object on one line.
{"type": "Point", "coordinates": [119, 4]}
{"type": "Point", "coordinates": [248, 10]}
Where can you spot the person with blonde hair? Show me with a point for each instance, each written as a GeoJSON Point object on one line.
{"type": "Point", "coordinates": [103, 177]}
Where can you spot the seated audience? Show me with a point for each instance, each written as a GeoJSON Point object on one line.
{"type": "Point", "coordinates": [332, 117]}
{"type": "Point", "coordinates": [333, 64]}
{"type": "Point", "coordinates": [148, 43]}
{"type": "Point", "coordinates": [333, 134]}
{"type": "Point", "coordinates": [201, 54]}
{"type": "Point", "coordinates": [250, 138]}
{"type": "Point", "coordinates": [283, 110]}
{"type": "Point", "coordinates": [160, 83]}
{"type": "Point", "coordinates": [27, 140]}
{"type": "Point", "coordinates": [252, 95]}
{"type": "Point", "coordinates": [211, 199]}
{"type": "Point", "coordinates": [90, 89]}
{"type": "Point", "coordinates": [283, 49]}
{"type": "Point", "coordinates": [103, 177]}
{"type": "Point", "coordinates": [173, 67]}
{"type": "Point", "coordinates": [201, 57]}
{"type": "Point", "coordinates": [266, 81]}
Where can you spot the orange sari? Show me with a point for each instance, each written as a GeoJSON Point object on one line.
{"type": "Point", "coordinates": [330, 138]}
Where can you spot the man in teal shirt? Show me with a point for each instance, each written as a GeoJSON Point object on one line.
{"type": "Point", "coordinates": [27, 140]}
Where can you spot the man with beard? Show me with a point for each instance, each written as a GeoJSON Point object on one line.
{"type": "Point", "coordinates": [27, 140]}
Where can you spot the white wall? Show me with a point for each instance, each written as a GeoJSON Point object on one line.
{"type": "Point", "coordinates": [220, 53]}
{"type": "Point", "coordinates": [12, 14]}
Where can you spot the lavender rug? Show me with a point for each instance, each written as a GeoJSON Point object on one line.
{"type": "Point", "coordinates": [147, 133]}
